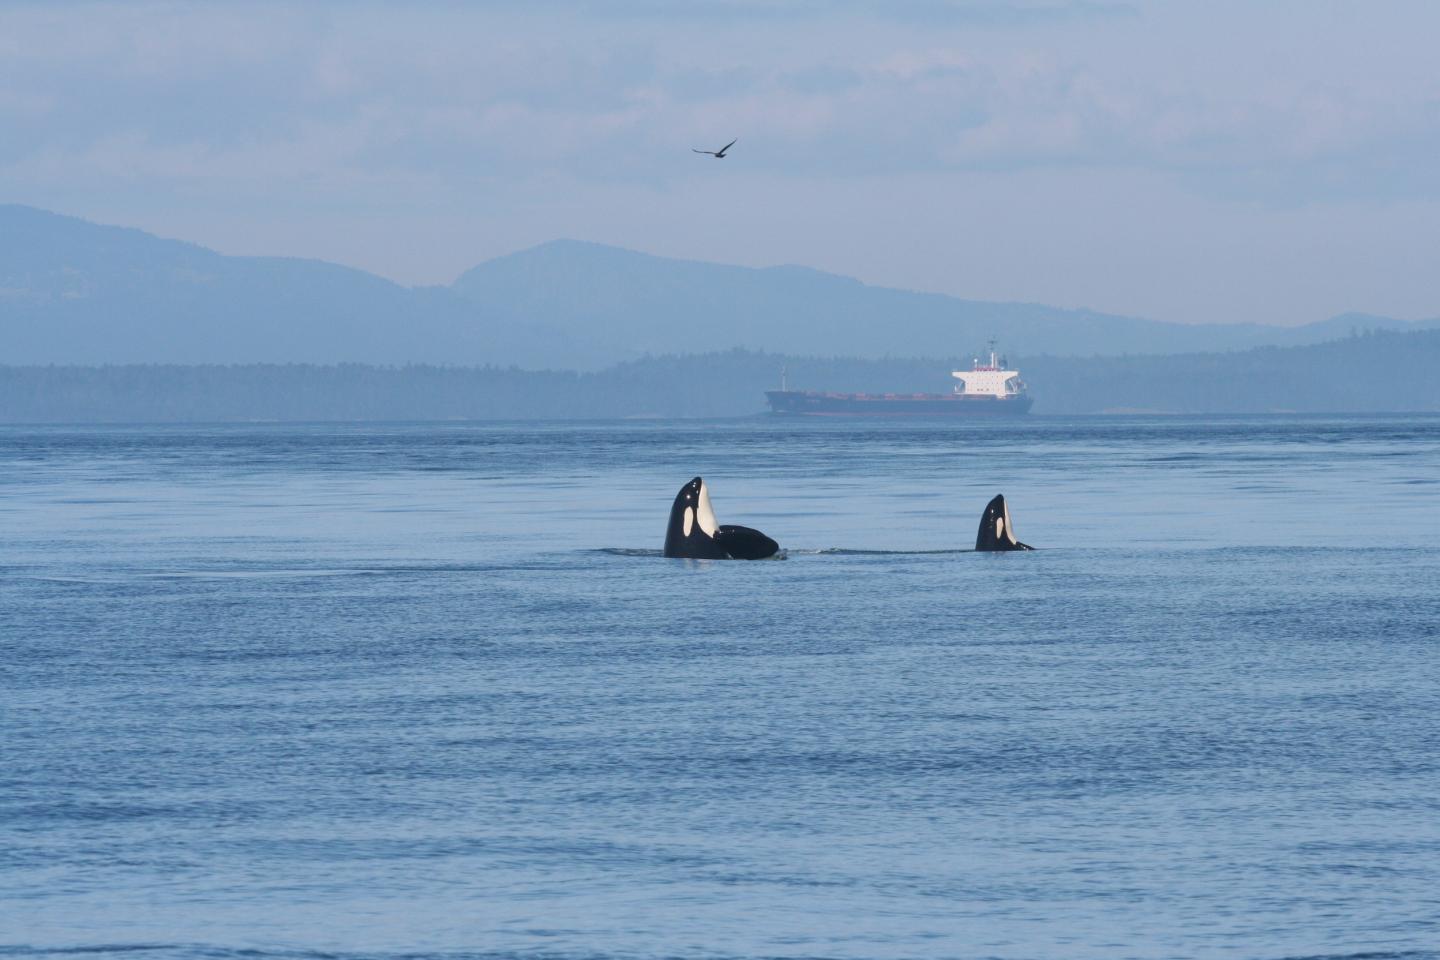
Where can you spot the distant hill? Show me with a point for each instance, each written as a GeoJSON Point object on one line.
{"type": "Point", "coordinates": [646, 304]}
{"type": "Point", "coordinates": [1382, 372]}
{"type": "Point", "coordinates": [75, 292]}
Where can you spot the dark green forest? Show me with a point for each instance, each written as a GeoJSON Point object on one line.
{"type": "Point", "coordinates": [1374, 372]}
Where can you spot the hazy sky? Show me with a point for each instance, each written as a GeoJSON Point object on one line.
{"type": "Point", "coordinates": [1191, 161]}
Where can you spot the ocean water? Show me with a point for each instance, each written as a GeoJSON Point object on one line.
{"type": "Point", "coordinates": [429, 690]}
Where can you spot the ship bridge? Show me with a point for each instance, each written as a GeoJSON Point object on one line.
{"type": "Point", "coordinates": [988, 379]}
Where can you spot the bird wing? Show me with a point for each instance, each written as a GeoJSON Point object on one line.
{"type": "Point", "coordinates": [729, 145]}
{"type": "Point", "coordinates": [709, 152]}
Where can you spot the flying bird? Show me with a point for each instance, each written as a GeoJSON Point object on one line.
{"type": "Point", "coordinates": [717, 154]}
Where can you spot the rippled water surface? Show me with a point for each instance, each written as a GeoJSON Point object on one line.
{"type": "Point", "coordinates": [427, 690]}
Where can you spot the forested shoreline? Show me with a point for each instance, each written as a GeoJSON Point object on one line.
{"type": "Point", "coordinates": [1376, 372]}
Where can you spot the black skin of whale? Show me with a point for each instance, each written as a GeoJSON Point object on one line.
{"type": "Point", "coordinates": [996, 532]}
{"type": "Point", "coordinates": [728, 543]}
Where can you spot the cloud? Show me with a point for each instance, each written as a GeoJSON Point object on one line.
{"type": "Point", "coordinates": [505, 113]}
{"type": "Point", "coordinates": [989, 13]}
{"type": "Point", "coordinates": [896, 87]}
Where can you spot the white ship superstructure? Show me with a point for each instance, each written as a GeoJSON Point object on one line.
{"type": "Point", "coordinates": [989, 379]}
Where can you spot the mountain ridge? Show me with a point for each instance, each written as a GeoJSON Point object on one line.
{"type": "Point", "coordinates": [72, 291]}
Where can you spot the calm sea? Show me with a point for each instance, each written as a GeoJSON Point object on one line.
{"type": "Point", "coordinates": [429, 690]}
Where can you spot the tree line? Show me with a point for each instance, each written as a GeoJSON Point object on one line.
{"type": "Point", "coordinates": [1373, 372]}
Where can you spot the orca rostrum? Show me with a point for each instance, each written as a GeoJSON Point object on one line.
{"type": "Point", "coordinates": [694, 534]}
{"type": "Point", "coordinates": [996, 531]}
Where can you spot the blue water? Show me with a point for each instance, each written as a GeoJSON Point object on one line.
{"type": "Point", "coordinates": [428, 690]}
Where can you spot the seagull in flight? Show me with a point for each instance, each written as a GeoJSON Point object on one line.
{"type": "Point", "coordinates": [717, 154]}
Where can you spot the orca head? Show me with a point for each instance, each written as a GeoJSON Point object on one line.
{"type": "Point", "coordinates": [743, 543]}
{"type": "Point", "coordinates": [692, 528]}
{"type": "Point", "coordinates": [996, 532]}
{"type": "Point", "coordinates": [693, 532]}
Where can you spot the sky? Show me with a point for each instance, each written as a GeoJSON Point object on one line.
{"type": "Point", "coordinates": [1215, 161]}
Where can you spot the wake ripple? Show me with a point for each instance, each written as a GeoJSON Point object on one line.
{"type": "Point", "coordinates": [784, 553]}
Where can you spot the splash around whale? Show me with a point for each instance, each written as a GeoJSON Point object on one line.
{"type": "Point", "coordinates": [694, 534]}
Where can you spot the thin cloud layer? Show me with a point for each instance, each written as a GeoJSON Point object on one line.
{"type": "Point", "coordinates": [269, 127]}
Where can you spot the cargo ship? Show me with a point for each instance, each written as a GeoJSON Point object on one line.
{"type": "Point", "coordinates": [986, 389]}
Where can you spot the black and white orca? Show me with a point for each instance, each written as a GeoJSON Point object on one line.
{"type": "Point", "coordinates": [694, 534]}
{"type": "Point", "coordinates": [996, 531]}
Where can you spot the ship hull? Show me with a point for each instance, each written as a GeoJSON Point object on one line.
{"type": "Point", "coordinates": [803, 403]}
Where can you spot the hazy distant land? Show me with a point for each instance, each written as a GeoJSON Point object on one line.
{"type": "Point", "coordinates": [75, 292]}
{"type": "Point", "coordinates": [108, 324]}
{"type": "Point", "coordinates": [1391, 372]}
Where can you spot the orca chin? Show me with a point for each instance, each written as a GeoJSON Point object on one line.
{"type": "Point", "coordinates": [694, 534]}
{"type": "Point", "coordinates": [996, 531]}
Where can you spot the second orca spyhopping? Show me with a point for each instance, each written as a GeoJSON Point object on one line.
{"type": "Point", "coordinates": [694, 534]}
{"type": "Point", "coordinates": [996, 531]}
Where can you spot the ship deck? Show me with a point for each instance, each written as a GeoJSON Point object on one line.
{"type": "Point", "coordinates": [806, 403]}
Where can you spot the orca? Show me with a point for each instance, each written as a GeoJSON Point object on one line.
{"type": "Point", "coordinates": [996, 531]}
{"type": "Point", "coordinates": [694, 534]}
